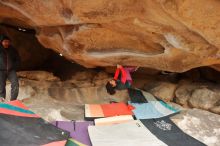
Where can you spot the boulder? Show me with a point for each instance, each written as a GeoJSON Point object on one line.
{"type": "Point", "coordinates": [162, 90]}
{"type": "Point", "coordinates": [204, 98]}
{"type": "Point", "coordinates": [38, 75]}
{"type": "Point", "coordinates": [203, 95]}
{"type": "Point", "coordinates": [183, 93]}
{"type": "Point", "coordinates": [200, 124]}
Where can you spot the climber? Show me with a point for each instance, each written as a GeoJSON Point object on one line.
{"type": "Point", "coordinates": [9, 62]}
{"type": "Point", "coordinates": [122, 79]}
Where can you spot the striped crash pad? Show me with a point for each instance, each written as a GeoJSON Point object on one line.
{"type": "Point", "coordinates": [21, 127]}
{"type": "Point", "coordinates": [155, 132]}
{"type": "Point", "coordinates": [93, 111]}
{"type": "Point", "coordinates": [152, 109]}
{"type": "Point", "coordinates": [72, 142]}
{"type": "Point", "coordinates": [78, 131]}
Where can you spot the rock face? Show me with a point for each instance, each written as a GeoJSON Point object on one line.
{"type": "Point", "coordinates": [199, 95]}
{"type": "Point", "coordinates": [202, 95]}
{"type": "Point", "coordinates": [204, 98]}
{"type": "Point", "coordinates": [64, 100]}
{"type": "Point", "coordinates": [162, 90]}
{"type": "Point", "coordinates": [172, 35]}
{"type": "Point", "coordinates": [202, 125]}
{"type": "Point", "coordinates": [38, 75]}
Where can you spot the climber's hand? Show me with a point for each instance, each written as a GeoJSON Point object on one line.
{"type": "Point", "coordinates": [119, 66]}
{"type": "Point", "coordinates": [137, 68]}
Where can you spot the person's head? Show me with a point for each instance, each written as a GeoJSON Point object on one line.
{"type": "Point", "coordinates": [110, 87]}
{"type": "Point", "coordinates": [5, 41]}
{"type": "Point", "coordinates": [113, 83]}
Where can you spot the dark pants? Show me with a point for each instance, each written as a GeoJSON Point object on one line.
{"type": "Point", "coordinates": [12, 77]}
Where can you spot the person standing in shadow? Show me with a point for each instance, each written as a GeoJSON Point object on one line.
{"type": "Point", "coordinates": [9, 62]}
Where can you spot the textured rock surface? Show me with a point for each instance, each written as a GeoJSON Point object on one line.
{"type": "Point", "coordinates": [204, 98]}
{"type": "Point", "coordinates": [57, 100]}
{"type": "Point", "coordinates": [37, 75]}
{"type": "Point", "coordinates": [183, 93]}
{"type": "Point", "coordinates": [202, 125]}
{"type": "Point", "coordinates": [194, 94]}
{"type": "Point", "coordinates": [199, 95]}
{"type": "Point", "coordinates": [172, 35]}
{"type": "Point", "coordinates": [163, 90]}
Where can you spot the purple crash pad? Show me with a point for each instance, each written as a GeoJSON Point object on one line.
{"type": "Point", "coordinates": [78, 130]}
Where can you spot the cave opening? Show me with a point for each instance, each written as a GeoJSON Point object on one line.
{"type": "Point", "coordinates": [34, 56]}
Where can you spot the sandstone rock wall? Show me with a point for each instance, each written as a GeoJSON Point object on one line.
{"type": "Point", "coordinates": [172, 35]}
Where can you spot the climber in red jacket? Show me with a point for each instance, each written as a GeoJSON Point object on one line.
{"type": "Point", "coordinates": [122, 79]}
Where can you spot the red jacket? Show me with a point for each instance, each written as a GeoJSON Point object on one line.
{"type": "Point", "coordinates": [123, 74]}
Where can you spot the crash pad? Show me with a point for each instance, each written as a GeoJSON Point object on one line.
{"type": "Point", "coordinates": [21, 127]}
{"type": "Point", "coordinates": [78, 130]}
{"type": "Point", "coordinates": [113, 120]}
{"type": "Point", "coordinates": [152, 109]}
